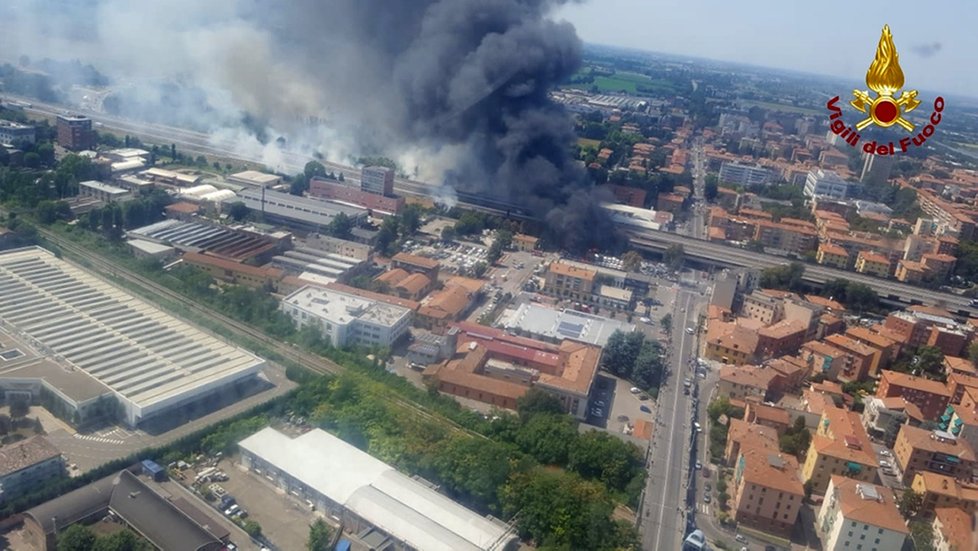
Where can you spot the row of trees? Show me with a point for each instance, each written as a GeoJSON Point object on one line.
{"type": "Point", "coordinates": [79, 537]}
{"type": "Point", "coordinates": [631, 356]}
{"type": "Point", "coordinates": [854, 295]}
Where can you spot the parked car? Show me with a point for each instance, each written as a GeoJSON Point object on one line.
{"type": "Point", "coordinates": [706, 498]}
{"type": "Point", "coordinates": [699, 465]}
{"type": "Point", "coordinates": [634, 390]}
{"type": "Point", "coordinates": [690, 330]}
{"type": "Point", "coordinates": [645, 408]}
{"type": "Point", "coordinates": [741, 538]}
{"type": "Point", "coordinates": [230, 511]}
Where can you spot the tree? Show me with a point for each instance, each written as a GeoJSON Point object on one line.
{"type": "Point", "coordinates": [796, 439]}
{"type": "Point", "coordinates": [973, 352]}
{"type": "Point", "coordinates": [410, 220]}
{"type": "Point", "coordinates": [495, 252]}
{"type": "Point", "coordinates": [621, 351]}
{"type": "Point", "coordinates": [173, 151]}
{"type": "Point", "coordinates": [631, 261]}
{"type": "Point", "coordinates": [505, 238]}
{"type": "Point", "coordinates": [710, 188]}
{"type": "Point", "coordinates": [238, 211]}
{"type": "Point", "coordinates": [788, 276]}
{"type": "Point", "coordinates": [340, 226]}
{"type": "Point", "coordinates": [201, 160]}
{"type": "Point", "coordinates": [674, 257]}
{"type": "Point", "coordinates": [537, 401]}
{"type": "Point", "coordinates": [666, 323]}
{"type": "Point", "coordinates": [547, 437]}
{"type": "Point", "coordinates": [123, 540]}
{"type": "Point", "coordinates": [479, 269]}
{"type": "Point", "coordinates": [314, 169]}
{"type": "Point", "coordinates": [76, 537]}
{"type": "Point", "coordinates": [251, 527]}
{"type": "Point", "coordinates": [922, 534]}
{"type": "Point", "coordinates": [299, 184]}
{"type": "Point", "coordinates": [930, 360]}
{"type": "Point", "coordinates": [909, 503]}
{"type": "Point", "coordinates": [601, 456]}
{"type": "Point", "coordinates": [320, 536]}
{"type": "Point", "coordinates": [448, 234]}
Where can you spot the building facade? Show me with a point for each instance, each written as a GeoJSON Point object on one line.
{"type": "Point", "coordinates": [12, 132]}
{"type": "Point", "coordinates": [827, 183]}
{"type": "Point", "coordinates": [28, 465]}
{"type": "Point", "coordinates": [75, 132]}
{"type": "Point", "coordinates": [347, 320]}
{"type": "Point", "coordinates": [859, 516]}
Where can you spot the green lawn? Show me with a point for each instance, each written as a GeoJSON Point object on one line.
{"type": "Point", "coordinates": [584, 142]}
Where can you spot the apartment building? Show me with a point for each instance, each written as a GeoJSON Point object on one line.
{"type": "Point", "coordinates": [932, 397]}
{"type": "Point", "coordinates": [832, 255]}
{"type": "Point", "coordinates": [739, 174]}
{"type": "Point", "coordinates": [786, 237]}
{"type": "Point", "coordinates": [954, 530]}
{"type": "Point", "coordinates": [827, 183]}
{"type": "Point", "coordinates": [917, 450]}
{"type": "Point", "coordinates": [840, 446]}
{"type": "Point", "coordinates": [346, 319]}
{"type": "Point", "coordinates": [743, 435]}
{"type": "Point", "coordinates": [767, 491]}
{"type": "Point", "coordinates": [859, 516]}
{"type": "Point", "coordinates": [568, 281]}
{"type": "Point", "coordinates": [871, 263]}
{"type": "Point", "coordinates": [28, 465]}
{"type": "Point", "coordinates": [883, 417]}
{"type": "Point", "coordinates": [938, 490]}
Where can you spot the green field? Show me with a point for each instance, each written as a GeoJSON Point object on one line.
{"type": "Point", "coordinates": [584, 142]}
{"type": "Point", "coordinates": [782, 107]}
{"type": "Point", "coordinates": [626, 82]}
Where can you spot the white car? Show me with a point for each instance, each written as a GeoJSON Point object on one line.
{"type": "Point", "coordinates": [690, 330]}
{"type": "Point", "coordinates": [634, 390]}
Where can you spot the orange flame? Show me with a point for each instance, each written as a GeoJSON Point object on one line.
{"type": "Point", "coordinates": [885, 76]}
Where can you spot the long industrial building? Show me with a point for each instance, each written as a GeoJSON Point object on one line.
{"type": "Point", "coordinates": [151, 362]}
{"type": "Point", "coordinates": [366, 493]}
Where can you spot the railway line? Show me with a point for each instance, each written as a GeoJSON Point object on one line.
{"type": "Point", "coordinates": [312, 362]}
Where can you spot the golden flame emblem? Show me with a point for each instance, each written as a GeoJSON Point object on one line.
{"type": "Point", "coordinates": [885, 77]}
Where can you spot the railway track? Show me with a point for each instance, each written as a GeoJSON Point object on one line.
{"type": "Point", "coordinates": [314, 363]}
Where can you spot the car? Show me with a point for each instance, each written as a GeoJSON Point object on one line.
{"type": "Point", "coordinates": [707, 487]}
{"type": "Point", "coordinates": [690, 330]}
{"type": "Point", "coordinates": [599, 403]}
{"type": "Point", "coordinates": [741, 538]}
{"type": "Point", "coordinates": [645, 320]}
{"type": "Point", "coordinates": [230, 511]}
{"type": "Point", "coordinates": [634, 390]}
{"type": "Point", "coordinates": [597, 412]}
{"type": "Point", "coordinates": [699, 465]}
{"type": "Point", "coordinates": [885, 453]}
{"type": "Point", "coordinates": [645, 408]}
{"type": "Point", "coordinates": [697, 426]}
{"type": "Point", "coordinates": [706, 498]}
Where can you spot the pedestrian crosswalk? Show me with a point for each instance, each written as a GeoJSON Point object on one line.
{"type": "Point", "coordinates": [704, 508]}
{"type": "Point", "coordinates": [101, 439]}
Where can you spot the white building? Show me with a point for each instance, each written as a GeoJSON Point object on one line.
{"type": "Point", "coordinates": [298, 210]}
{"type": "Point", "coordinates": [12, 132]}
{"type": "Point", "coordinates": [347, 320]}
{"type": "Point", "coordinates": [253, 178]}
{"type": "Point", "coordinates": [364, 492]}
{"type": "Point", "coordinates": [826, 183]}
{"type": "Point", "coordinates": [858, 516]}
{"type": "Point", "coordinates": [743, 175]}
{"type": "Point", "coordinates": [154, 364]}
{"type": "Point", "coordinates": [103, 192]}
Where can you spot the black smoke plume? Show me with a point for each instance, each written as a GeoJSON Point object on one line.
{"type": "Point", "coordinates": [455, 90]}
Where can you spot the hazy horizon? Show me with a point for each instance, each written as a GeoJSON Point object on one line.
{"type": "Point", "coordinates": [784, 36]}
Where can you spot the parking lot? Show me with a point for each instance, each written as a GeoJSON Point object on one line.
{"type": "Point", "coordinates": [613, 406]}
{"type": "Point", "coordinates": [888, 465]}
{"type": "Point", "coordinates": [283, 518]}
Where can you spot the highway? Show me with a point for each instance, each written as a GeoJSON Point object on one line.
{"type": "Point", "coordinates": [662, 520]}
{"type": "Point", "coordinates": [725, 255]}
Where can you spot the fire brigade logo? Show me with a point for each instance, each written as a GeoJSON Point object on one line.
{"type": "Point", "coordinates": [885, 78]}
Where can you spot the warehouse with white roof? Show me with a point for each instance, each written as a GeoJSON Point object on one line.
{"type": "Point", "coordinates": [366, 493]}
{"type": "Point", "coordinates": [152, 362]}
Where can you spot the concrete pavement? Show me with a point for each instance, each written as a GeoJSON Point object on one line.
{"type": "Point", "coordinates": [662, 522]}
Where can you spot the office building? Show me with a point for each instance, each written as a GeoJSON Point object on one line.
{"type": "Point", "coordinates": [12, 132]}
{"type": "Point", "coordinates": [255, 179]}
{"type": "Point", "coordinates": [75, 132]}
{"type": "Point", "coordinates": [539, 322]}
{"type": "Point", "coordinates": [346, 193]}
{"type": "Point", "coordinates": [103, 192]}
{"type": "Point", "coordinates": [743, 175]}
{"type": "Point", "coordinates": [826, 183]}
{"type": "Point", "coordinates": [859, 516]}
{"type": "Point", "coordinates": [151, 364]}
{"type": "Point", "coordinates": [378, 180]}
{"type": "Point", "coordinates": [364, 493]}
{"type": "Point", "coordinates": [347, 320]}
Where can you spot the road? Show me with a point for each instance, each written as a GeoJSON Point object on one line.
{"type": "Point", "coordinates": [662, 522]}
{"type": "Point", "coordinates": [723, 254]}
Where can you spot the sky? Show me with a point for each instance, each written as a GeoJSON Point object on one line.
{"type": "Point", "coordinates": [831, 37]}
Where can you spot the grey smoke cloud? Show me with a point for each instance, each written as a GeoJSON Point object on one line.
{"type": "Point", "coordinates": [927, 50]}
{"type": "Point", "coordinates": [455, 88]}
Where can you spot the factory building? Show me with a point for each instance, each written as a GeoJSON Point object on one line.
{"type": "Point", "coordinates": [153, 365]}
{"type": "Point", "coordinates": [369, 497]}
{"type": "Point", "coordinates": [296, 211]}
